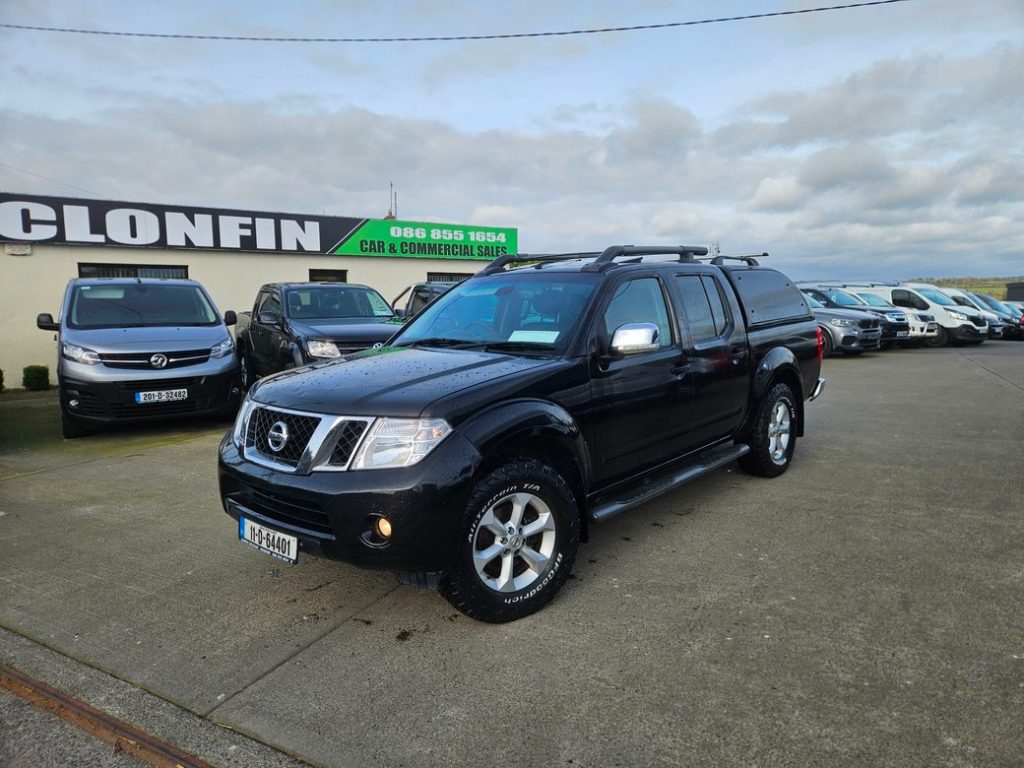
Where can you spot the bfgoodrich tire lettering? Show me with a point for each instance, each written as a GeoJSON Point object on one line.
{"type": "Point", "coordinates": [518, 542]}
{"type": "Point", "coordinates": [773, 436]}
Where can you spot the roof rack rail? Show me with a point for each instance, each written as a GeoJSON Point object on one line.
{"type": "Point", "coordinates": [612, 252]}
{"type": "Point", "coordinates": [518, 258]}
{"type": "Point", "coordinates": [750, 261]}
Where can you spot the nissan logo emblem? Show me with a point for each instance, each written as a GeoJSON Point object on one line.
{"type": "Point", "coordinates": [158, 360]}
{"type": "Point", "coordinates": [277, 437]}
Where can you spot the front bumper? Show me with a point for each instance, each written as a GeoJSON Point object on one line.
{"type": "Point", "coordinates": [859, 339]}
{"type": "Point", "coordinates": [968, 332]}
{"type": "Point", "coordinates": [332, 513]}
{"type": "Point", "coordinates": [114, 400]}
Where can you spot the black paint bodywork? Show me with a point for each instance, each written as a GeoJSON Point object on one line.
{"type": "Point", "coordinates": [603, 422]}
{"type": "Point", "coordinates": [272, 345]}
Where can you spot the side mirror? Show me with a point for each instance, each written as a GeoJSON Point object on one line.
{"type": "Point", "coordinates": [230, 318]}
{"type": "Point", "coordinates": [634, 338]}
{"type": "Point", "coordinates": [44, 322]}
{"type": "Point", "coordinates": [268, 318]}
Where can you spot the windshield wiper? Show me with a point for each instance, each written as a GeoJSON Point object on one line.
{"type": "Point", "coordinates": [511, 346]}
{"type": "Point", "coordinates": [442, 342]}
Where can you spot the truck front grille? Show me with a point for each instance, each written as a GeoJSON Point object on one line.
{"type": "Point", "coordinates": [298, 441]}
{"type": "Point", "coordinates": [349, 435]}
{"type": "Point", "coordinates": [288, 441]}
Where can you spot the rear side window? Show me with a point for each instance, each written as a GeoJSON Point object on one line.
{"type": "Point", "coordinates": [768, 296]}
{"type": "Point", "coordinates": [703, 311]}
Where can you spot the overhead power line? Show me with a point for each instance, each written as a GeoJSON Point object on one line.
{"type": "Point", "coordinates": [445, 38]}
{"type": "Point", "coordinates": [46, 178]}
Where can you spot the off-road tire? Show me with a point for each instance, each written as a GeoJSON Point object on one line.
{"type": "Point", "coordinates": [493, 498]}
{"type": "Point", "coordinates": [768, 459]}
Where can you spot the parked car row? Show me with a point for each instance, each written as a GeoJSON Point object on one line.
{"type": "Point", "coordinates": [139, 349]}
{"type": "Point", "coordinates": [144, 348]}
{"type": "Point", "coordinates": [857, 317]}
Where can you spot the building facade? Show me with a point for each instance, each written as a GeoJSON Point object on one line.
{"type": "Point", "coordinates": [49, 240]}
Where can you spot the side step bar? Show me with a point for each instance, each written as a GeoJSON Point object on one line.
{"type": "Point", "coordinates": [644, 492]}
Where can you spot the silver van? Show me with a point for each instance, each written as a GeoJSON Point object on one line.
{"type": "Point", "coordinates": [139, 349]}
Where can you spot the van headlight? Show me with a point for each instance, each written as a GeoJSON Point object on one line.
{"type": "Point", "coordinates": [956, 315]}
{"type": "Point", "coordinates": [322, 348]}
{"type": "Point", "coordinates": [80, 354]}
{"type": "Point", "coordinates": [392, 443]}
{"type": "Point", "coordinates": [226, 347]}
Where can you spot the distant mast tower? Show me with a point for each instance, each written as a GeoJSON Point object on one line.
{"type": "Point", "coordinates": [392, 213]}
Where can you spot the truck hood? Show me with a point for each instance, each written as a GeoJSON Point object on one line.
{"type": "Point", "coordinates": [404, 382]}
{"type": "Point", "coordinates": [146, 339]}
{"type": "Point", "coordinates": [360, 330]}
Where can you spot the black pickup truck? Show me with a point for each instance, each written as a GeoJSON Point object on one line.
{"type": "Point", "coordinates": [475, 450]}
{"type": "Point", "coordinates": [292, 324]}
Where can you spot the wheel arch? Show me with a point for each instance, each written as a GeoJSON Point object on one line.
{"type": "Point", "coordinates": [779, 366]}
{"type": "Point", "coordinates": [535, 429]}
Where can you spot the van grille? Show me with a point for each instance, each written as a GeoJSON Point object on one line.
{"type": "Point", "coordinates": [141, 360]}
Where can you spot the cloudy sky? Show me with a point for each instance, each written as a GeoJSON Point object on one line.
{"type": "Point", "coordinates": [881, 141]}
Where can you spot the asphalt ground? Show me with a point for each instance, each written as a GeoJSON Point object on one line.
{"type": "Point", "coordinates": [863, 609]}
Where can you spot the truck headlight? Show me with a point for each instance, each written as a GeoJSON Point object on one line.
{"type": "Point", "coordinates": [242, 421]}
{"type": "Point", "coordinates": [80, 354]}
{"type": "Point", "coordinates": [842, 323]}
{"type": "Point", "coordinates": [393, 443]}
{"type": "Point", "coordinates": [226, 347]}
{"type": "Point", "coordinates": [956, 315]}
{"type": "Point", "coordinates": [322, 348]}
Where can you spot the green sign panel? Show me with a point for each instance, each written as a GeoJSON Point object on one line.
{"type": "Point", "coordinates": [424, 240]}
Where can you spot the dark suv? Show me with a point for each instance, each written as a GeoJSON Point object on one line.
{"type": "Point", "coordinates": [475, 449]}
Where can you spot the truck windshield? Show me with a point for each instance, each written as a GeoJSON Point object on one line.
{"type": "Point", "coordinates": [320, 302]}
{"type": "Point", "coordinates": [123, 305]}
{"type": "Point", "coordinates": [505, 312]}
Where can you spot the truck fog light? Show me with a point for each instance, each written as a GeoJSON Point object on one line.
{"type": "Point", "coordinates": [383, 527]}
{"type": "Point", "coordinates": [73, 403]}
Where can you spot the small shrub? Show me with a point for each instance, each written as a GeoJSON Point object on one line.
{"type": "Point", "coordinates": [36, 378]}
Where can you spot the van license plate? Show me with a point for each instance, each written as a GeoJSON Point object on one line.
{"type": "Point", "coordinates": [901, 334]}
{"type": "Point", "coordinates": [163, 396]}
{"type": "Point", "coordinates": [279, 545]}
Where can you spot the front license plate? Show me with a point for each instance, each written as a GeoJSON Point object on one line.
{"type": "Point", "coordinates": [901, 334]}
{"type": "Point", "coordinates": [280, 545]}
{"type": "Point", "coordinates": [163, 396]}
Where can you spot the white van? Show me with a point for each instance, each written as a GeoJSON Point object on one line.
{"type": "Point", "coordinates": [968, 299]}
{"type": "Point", "coordinates": [956, 324]}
